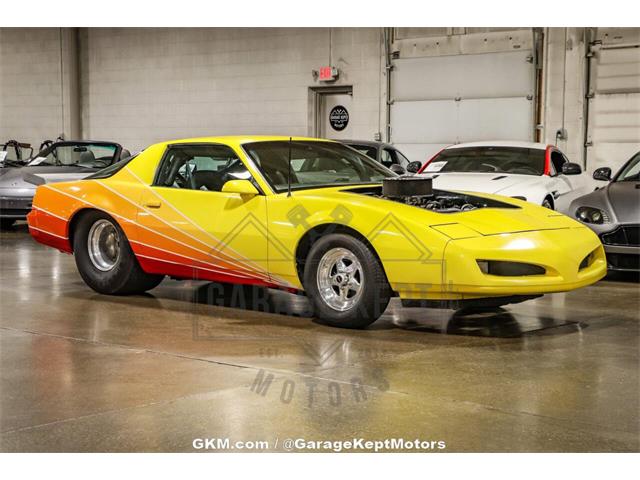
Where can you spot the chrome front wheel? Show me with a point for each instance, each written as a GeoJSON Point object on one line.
{"type": "Point", "coordinates": [340, 279]}
{"type": "Point", "coordinates": [103, 245]}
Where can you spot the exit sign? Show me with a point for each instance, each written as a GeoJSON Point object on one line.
{"type": "Point", "coordinates": [327, 74]}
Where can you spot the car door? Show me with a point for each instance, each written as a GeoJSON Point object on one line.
{"type": "Point", "coordinates": [564, 188]}
{"type": "Point", "coordinates": [189, 226]}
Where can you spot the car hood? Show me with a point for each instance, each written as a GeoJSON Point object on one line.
{"type": "Point", "coordinates": [621, 199]}
{"type": "Point", "coordinates": [482, 221]}
{"type": "Point", "coordinates": [482, 182]}
{"type": "Point", "coordinates": [23, 181]}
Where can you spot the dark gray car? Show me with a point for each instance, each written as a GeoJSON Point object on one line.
{"type": "Point", "coordinates": [384, 153]}
{"type": "Point", "coordinates": [613, 212]}
{"type": "Point", "coordinates": [60, 162]}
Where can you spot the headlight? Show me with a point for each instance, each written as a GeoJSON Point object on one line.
{"type": "Point", "coordinates": [592, 215]}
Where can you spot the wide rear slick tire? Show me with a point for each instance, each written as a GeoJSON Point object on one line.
{"type": "Point", "coordinates": [345, 282]}
{"type": "Point", "coordinates": [104, 257]}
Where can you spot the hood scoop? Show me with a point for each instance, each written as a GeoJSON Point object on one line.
{"type": "Point", "coordinates": [499, 177]}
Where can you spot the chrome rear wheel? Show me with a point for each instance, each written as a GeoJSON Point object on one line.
{"type": "Point", "coordinates": [104, 245]}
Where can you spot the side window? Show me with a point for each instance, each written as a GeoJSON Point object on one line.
{"type": "Point", "coordinates": [557, 160]}
{"type": "Point", "coordinates": [200, 167]}
{"type": "Point", "coordinates": [387, 158]}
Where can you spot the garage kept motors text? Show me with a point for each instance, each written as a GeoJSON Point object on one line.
{"type": "Point", "coordinates": [339, 118]}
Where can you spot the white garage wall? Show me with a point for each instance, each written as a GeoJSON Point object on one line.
{"type": "Point", "coordinates": [144, 85]}
{"type": "Point", "coordinates": [30, 84]}
{"type": "Point", "coordinates": [140, 86]}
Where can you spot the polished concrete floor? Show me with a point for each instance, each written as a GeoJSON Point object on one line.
{"type": "Point", "coordinates": [84, 372]}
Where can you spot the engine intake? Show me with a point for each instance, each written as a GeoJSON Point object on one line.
{"type": "Point", "coordinates": [398, 187]}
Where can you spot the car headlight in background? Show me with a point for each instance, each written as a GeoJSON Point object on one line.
{"type": "Point", "coordinates": [592, 215]}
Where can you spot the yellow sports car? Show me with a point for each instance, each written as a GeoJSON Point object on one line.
{"type": "Point", "coordinates": [311, 216]}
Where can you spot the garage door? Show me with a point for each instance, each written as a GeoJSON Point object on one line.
{"type": "Point", "coordinates": [441, 100]}
{"type": "Point", "coordinates": [613, 133]}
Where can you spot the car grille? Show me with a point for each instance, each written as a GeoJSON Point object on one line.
{"type": "Point", "coordinates": [623, 261]}
{"type": "Point", "coordinates": [623, 235]}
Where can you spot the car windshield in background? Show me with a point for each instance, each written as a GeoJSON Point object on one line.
{"type": "Point", "coordinates": [523, 161]}
{"type": "Point", "coordinates": [367, 150]}
{"type": "Point", "coordinates": [12, 154]}
{"type": "Point", "coordinates": [81, 155]}
{"type": "Point", "coordinates": [631, 172]}
{"type": "Point", "coordinates": [313, 164]}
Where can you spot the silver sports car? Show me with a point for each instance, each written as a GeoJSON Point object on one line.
{"type": "Point", "coordinates": [613, 212]}
{"type": "Point", "coordinates": [59, 162]}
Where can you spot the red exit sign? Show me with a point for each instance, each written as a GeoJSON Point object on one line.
{"type": "Point", "coordinates": [327, 74]}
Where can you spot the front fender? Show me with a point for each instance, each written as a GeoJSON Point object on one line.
{"type": "Point", "coordinates": [410, 251]}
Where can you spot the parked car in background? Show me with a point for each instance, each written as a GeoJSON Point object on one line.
{"type": "Point", "coordinates": [59, 162]}
{"type": "Point", "coordinates": [613, 212]}
{"type": "Point", "coordinates": [15, 154]}
{"type": "Point", "coordinates": [535, 172]}
{"type": "Point", "coordinates": [384, 153]}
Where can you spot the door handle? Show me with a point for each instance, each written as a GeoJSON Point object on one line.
{"type": "Point", "coordinates": [152, 204]}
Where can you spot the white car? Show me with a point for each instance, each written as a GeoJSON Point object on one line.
{"type": "Point", "coordinates": [535, 172]}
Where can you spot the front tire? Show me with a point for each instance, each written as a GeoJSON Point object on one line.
{"type": "Point", "coordinates": [345, 282]}
{"type": "Point", "coordinates": [104, 257]}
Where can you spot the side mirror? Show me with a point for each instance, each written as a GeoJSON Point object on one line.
{"type": "Point", "coordinates": [243, 187]}
{"type": "Point", "coordinates": [571, 169]}
{"type": "Point", "coordinates": [602, 173]}
{"type": "Point", "coordinates": [413, 167]}
{"type": "Point", "coordinates": [395, 168]}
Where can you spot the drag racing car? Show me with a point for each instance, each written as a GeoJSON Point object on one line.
{"type": "Point", "coordinates": [310, 216]}
{"type": "Point", "coordinates": [613, 212]}
{"type": "Point", "coordinates": [58, 162]}
{"type": "Point", "coordinates": [535, 172]}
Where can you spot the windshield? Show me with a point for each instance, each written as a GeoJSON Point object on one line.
{"type": "Point", "coordinates": [631, 171]}
{"type": "Point", "coordinates": [80, 155]}
{"type": "Point", "coordinates": [14, 152]}
{"type": "Point", "coordinates": [523, 161]}
{"type": "Point", "coordinates": [313, 164]}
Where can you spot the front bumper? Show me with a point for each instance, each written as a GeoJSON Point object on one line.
{"type": "Point", "coordinates": [623, 258]}
{"type": "Point", "coordinates": [622, 247]}
{"type": "Point", "coordinates": [15, 207]}
{"type": "Point", "coordinates": [560, 252]}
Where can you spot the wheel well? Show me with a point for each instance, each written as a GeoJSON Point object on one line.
{"type": "Point", "coordinates": [317, 232]}
{"type": "Point", "coordinates": [74, 222]}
